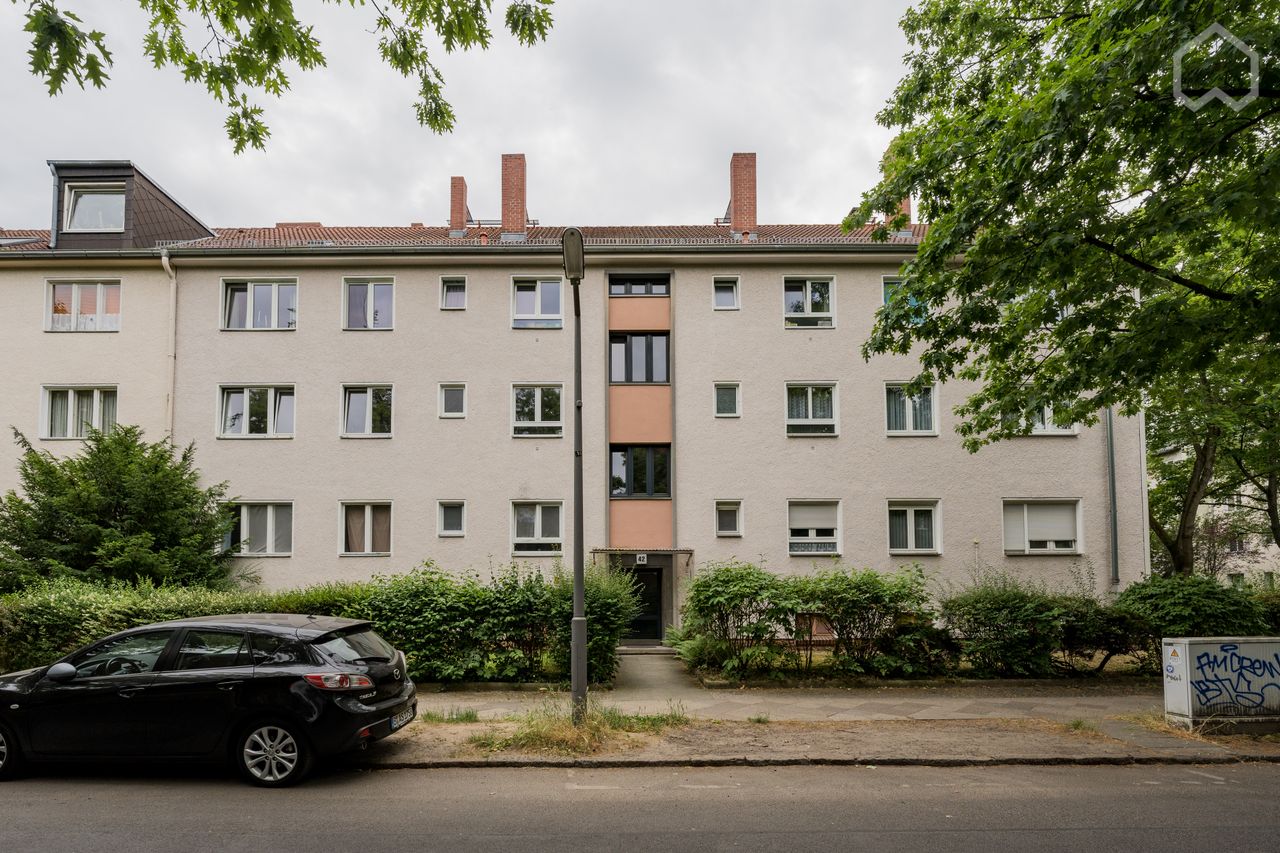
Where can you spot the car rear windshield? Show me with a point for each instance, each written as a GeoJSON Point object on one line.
{"type": "Point", "coordinates": [356, 645]}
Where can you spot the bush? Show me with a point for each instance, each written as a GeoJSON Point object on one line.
{"type": "Point", "coordinates": [1093, 633]}
{"type": "Point", "coordinates": [882, 623]}
{"type": "Point", "coordinates": [1269, 601]}
{"type": "Point", "coordinates": [1004, 626]}
{"type": "Point", "coordinates": [735, 616]}
{"type": "Point", "coordinates": [449, 628]}
{"type": "Point", "coordinates": [1190, 606]}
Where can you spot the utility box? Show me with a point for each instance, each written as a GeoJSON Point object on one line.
{"type": "Point", "coordinates": [1229, 683]}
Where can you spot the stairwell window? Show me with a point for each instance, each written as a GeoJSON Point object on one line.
{"type": "Point", "coordinates": [808, 302]}
{"type": "Point", "coordinates": [264, 411]}
{"type": "Point", "coordinates": [728, 518]}
{"type": "Point", "coordinates": [72, 412]}
{"type": "Point", "coordinates": [811, 409]}
{"type": "Point", "coordinates": [366, 529]}
{"type": "Point", "coordinates": [536, 411]}
{"type": "Point", "coordinates": [452, 519]}
{"type": "Point", "coordinates": [84, 306]}
{"type": "Point", "coordinates": [536, 528]}
{"type": "Point", "coordinates": [813, 528]}
{"type": "Point", "coordinates": [638, 357]}
{"type": "Point", "coordinates": [536, 304]}
{"type": "Point", "coordinates": [260, 530]}
{"type": "Point", "coordinates": [259, 305]}
{"type": "Point", "coordinates": [727, 400]}
{"type": "Point", "coordinates": [366, 411]}
{"type": "Point", "coordinates": [913, 527]}
{"type": "Point", "coordinates": [640, 471]}
{"type": "Point", "coordinates": [907, 415]}
{"type": "Point", "coordinates": [1042, 527]}
{"type": "Point", "coordinates": [453, 400]}
{"type": "Point", "coordinates": [370, 303]}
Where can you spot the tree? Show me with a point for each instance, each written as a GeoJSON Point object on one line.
{"type": "Point", "coordinates": [236, 49]}
{"type": "Point", "coordinates": [1110, 235]}
{"type": "Point", "coordinates": [121, 509]}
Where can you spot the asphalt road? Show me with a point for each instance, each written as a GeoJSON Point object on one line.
{"type": "Point", "coordinates": [1214, 809]}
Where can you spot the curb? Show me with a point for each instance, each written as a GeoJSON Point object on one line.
{"type": "Point", "coordinates": [747, 761]}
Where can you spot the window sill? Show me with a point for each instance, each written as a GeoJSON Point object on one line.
{"type": "Point", "coordinates": [1043, 553]}
{"type": "Point", "coordinates": [229, 329]}
{"type": "Point", "coordinates": [451, 535]}
{"type": "Point", "coordinates": [731, 417]}
{"type": "Point", "coordinates": [639, 497]}
{"type": "Point", "coordinates": [461, 417]}
{"type": "Point", "coordinates": [548, 435]}
{"type": "Point", "coordinates": [63, 437]}
{"type": "Point", "coordinates": [1057, 433]}
{"type": "Point", "coordinates": [82, 331]}
{"type": "Point", "coordinates": [261, 556]}
{"type": "Point", "coordinates": [254, 437]}
{"type": "Point", "coordinates": [728, 535]}
{"type": "Point", "coordinates": [808, 326]}
{"type": "Point", "coordinates": [639, 295]}
{"type": "Point", "coordinates": [536, 325]}
{"type": "Point", "coordinates": [722, 308]}
{"type": "Point", "coordinates": [365, 435]}
{"type": "Point", "coordinates": [813, 434]}
{"type": "Point", "coordinates": [624, 384]}
{"type": "Point", "coordinates": [813, 553]}
{"type": "Point", "coordinates": [451, 308]}
{"type": "Point", "coordinates": [365, 554]}
{"type": "Point", "coordinates": [914, 552]}
{"type": "Point", "coordinates": [907, 433]}
{"type": "Point", "coordinates": [368, 329]}
{"type": "Point", "coordinates": [65, 230]}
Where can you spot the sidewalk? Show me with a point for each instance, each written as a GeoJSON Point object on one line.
{"type": "Point", "coordinates": [968, 724]}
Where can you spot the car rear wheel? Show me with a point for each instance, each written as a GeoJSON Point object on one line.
{"type": "Point", "coordinates": [272, 754]}
{"type": "Point", "coordinates": [10, 755]}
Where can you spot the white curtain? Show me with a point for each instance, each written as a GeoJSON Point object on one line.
{"type": "Point", "coordinates": [84, 413]}
{"type": "Point", "coordinates": [108, 403]}
{"type": "Point", "coordinates": [58, 411]}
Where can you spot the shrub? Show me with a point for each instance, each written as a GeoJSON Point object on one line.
{"type": "Point", "coordinates": [1269, 601]}
{"type": "Point", "coordinates": [1093, 633]}
{"type": "Point", "coordinates": [881, 622]}
{"type": "Point", "coordinates": [735, 616]}
{"type": "Point", "coordinates": [1190, 606]}
{"type": "Point", "coordinates": [1005, 627]}
{"type": "Point", "coordinates": [611, 604]}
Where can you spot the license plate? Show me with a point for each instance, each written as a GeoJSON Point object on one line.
{"type": "Point", "coordinates": [400, 719]}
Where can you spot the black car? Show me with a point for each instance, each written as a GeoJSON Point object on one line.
{"type": "Point", "coordinates": [271, 692]}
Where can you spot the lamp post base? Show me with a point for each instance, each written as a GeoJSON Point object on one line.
{"type": "Point", "coordinates": [578, 667]}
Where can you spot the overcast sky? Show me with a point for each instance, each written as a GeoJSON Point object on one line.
{"type": "Point", "coordinates": [627, 114]}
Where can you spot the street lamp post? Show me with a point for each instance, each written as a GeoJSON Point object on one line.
{"type": "Point", "coordinates": [574, 262]}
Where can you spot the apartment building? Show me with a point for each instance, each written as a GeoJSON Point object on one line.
{"type": "Point", "coordinates": [377, 396]}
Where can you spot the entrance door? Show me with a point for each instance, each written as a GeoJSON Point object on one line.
{"type": "Point", "coordinates": [648, 623]}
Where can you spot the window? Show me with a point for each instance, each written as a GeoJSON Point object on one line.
{"type": "Point", "coordinates": [807, 302]}
{"type": "Point", "coordinates": [366, 529]}
{"type": "Point", "coordinates": [905, 415]}
{"type": "Point", "coordinates": [95, 208]}
{"type": "Point", "coordinates": [891, 287]}
{"type": "Point", "coordinates": [453, 294]}
{"type": "Point", "coordinates": [260, 530]}
{"type": "Point", "coordinates": [537, 304]}
{"type": "Point", "coordinates": [260, 305]}
{"type": "Point", "coordinates": [727, 404]}
{"type": "Point", "coordinates": [1041, 527]}
{"type": "Point", "coordinates": [452, 518]}
{"type": "Point", "coordinates": [640, 471]}
{"type": "Point", "coordinates": [366, 410]}
{"type": "Point", "coordinates": [123, 656]}
{"type": "Point", "coordinates": [724, 294]}
{"type": "Point", "coordinates": [913, 528]}
{"type": "Point", "coordinates": [811, 409]}
{"type": "Point", "coordinates": [537, 528]}
{"type": "Point", "coordinates": [453, 400]}
{"type": "Point", "coordinates": [640, 285]}
{"type": "Point", "coordinates": [1043, 422]}
{"type": "Point", "coordinates": [813, 527]}
{"type": "Point", "coordinates": [212, 650]}
{"type": "Point", "coordinates": [262, 411]}
{"type": "Point", "coordinates": [91, 306]}
{"type": "Point", "coordinates": [728, 518]}
{"type": "Point", "coordinates": [370, 303]}
{"type": "Point", "coordinates": [71, 412]}
{"type": "Point", "coordinates": [536, 411]}
{"type": "Point", "coordinates": [638, 357]}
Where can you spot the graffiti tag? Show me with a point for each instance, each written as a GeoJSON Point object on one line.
{"type": "Point", "coordinates": [1228, 681]}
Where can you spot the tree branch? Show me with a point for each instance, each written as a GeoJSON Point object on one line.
{"type": "Point", "coordinates": [1167, 275]}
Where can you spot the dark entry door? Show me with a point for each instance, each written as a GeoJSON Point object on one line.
{"type": "Point", "coordinates": [648, 624]}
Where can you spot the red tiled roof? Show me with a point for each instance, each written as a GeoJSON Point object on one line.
{"type": "Point", "coordinates": [23, 239]}
{"type": "Point", "coordinates": [308, 235]}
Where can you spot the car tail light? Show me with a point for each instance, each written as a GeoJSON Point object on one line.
{"type": "Point", "coordinates": [338, 681]}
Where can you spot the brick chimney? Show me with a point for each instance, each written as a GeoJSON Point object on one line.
{"type": "Point", "coordinates": [514, 211]}
{"type": "Point", "coordinates": [459, 215]}
{"type": "Point", "coordinates": [742, 194]}
{"type": "Point", "coordinates": [904, 206]}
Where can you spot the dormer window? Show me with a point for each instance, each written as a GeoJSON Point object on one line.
{"type": "Point", "coordinates": [95, 207]}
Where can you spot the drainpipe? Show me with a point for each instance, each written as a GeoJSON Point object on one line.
{"type": "Point", "coordinates": [173, 338]}
{"type": "Point", "coordinates": [1111, 490]}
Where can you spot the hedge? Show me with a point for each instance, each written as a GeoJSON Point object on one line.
{"type": "Point", "coordinates": [450, 628]}
{"type": "Point", "coordinates": [742, 620]}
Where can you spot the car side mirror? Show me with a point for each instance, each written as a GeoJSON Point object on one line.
{"type": "Point", "coordinates": [61, 672]}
